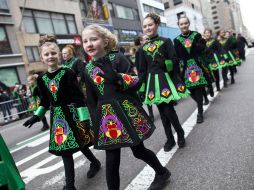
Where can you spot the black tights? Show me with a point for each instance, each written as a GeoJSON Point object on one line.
{"type": "Point", "coordinates": [197, 95]}
{"type": "Point", "coordinates": [216, 74]}
{"type": "Point", "coordinates": [168, 117]}
{"type": "Point", "coordinates": [69, 165]}
{"type": "Point", "coordinates": [113, 158]}
{"type": "Point", "coordinates": [225, 72]}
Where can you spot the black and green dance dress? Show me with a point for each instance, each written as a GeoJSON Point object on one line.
{"type": "Point", "coordinates": [60, 92]}
{"type": "Point", "coordinates": [118, 118]}
{"type": "Point", "coordinates": [158, 69]}
{"type": "Point", "coordinates": [189, 49]}
{"type": "Point", "coordinates": [229, 45]}
{"type": "Point", "coordinates": [213, 53]}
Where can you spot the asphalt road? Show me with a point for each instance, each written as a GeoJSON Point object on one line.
{"type": "Point", "coordinates": [219, 154]}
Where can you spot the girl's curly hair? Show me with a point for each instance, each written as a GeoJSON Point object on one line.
{"type": "Point", "coordinates": [156, 18]}
{"type": "Point", "coordinates": [105, 34]}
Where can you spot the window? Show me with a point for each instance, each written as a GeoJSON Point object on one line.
{"type": "Point", "coordinates": [32, 53]}
{"type": "Point", "coordinates": [111, 10]}
{"type": "Point", "coordinates": [9, 76]}
{"type": "Point", "coordinates": [124, 12]}
{"type": "Point", "coordinates": [49, 22]}
{"type": "Point", "coordinates": [3, 6]}
{"type": "Point", "coordinates": [215, 17]}
{"type": "Point", "coordinates": [177, 2]}
{"type": "Point", "coordinates": [192, 5]}
{"type": "Point", "coordinates": [216, 28]}
{"type": "Point", "coordinates": [135, 13]}
{"type": "Point", "coordinates": [213, 7]}
{"type": "Point", "coordinates": [127, 35]}
{"type": "Point", "coordinates": [166, 5]}
{"type": "Point", "coordinates": [5, 47]}
{"type": "Point", "coordinates": [149, 9]}
{"type": "Point", "coordinates": [216, 22]}
{"type": "Point", "coordinates": [214, 12]}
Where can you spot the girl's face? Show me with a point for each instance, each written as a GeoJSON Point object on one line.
{"type": "Point", "coordinates": [222, 33]}
{"type": "Point", "coordinates": [50, 55]}
{"type": "Point", "coordinates": [227, 34]}
{"type": "Point", "coordinates": [149, 27]}
{"type": "Point", "coordinates": [207, 34]}
{"type": "Point", "coordinates": [93, 44]}
{"type": "Point", "coordinates": [66, 54]}
{"type": "Point", "coordinates": [184, 25]}
{"type": "Point", "coordinates": [31, 81]}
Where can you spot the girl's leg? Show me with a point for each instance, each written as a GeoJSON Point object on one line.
{"type": "Point", "coordinates": [112, 168]}
{"type": "Point", "coordinates": [69, 172]}
{"type": "Point", "coordinates": [217, 79]}
{"type": "Point", "coordinates": [95, 163]}
{"type": "Point", "coordinates": [45, 124]}
{"type": "Point", "coordinates": [162, 174]}
{"type": "Point", "coordinates": [197, 95]}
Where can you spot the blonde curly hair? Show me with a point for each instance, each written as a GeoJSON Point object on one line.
{"type": "Point", "coordinates": [105, 34]}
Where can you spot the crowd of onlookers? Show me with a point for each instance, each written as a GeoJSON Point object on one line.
{"type": "Point", "coordinates": [14, 102]}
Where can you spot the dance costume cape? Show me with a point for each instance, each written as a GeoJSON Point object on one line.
{"type": "Point", "coordinates": [118, 118]}
{"type": "Point", "coordinates": [213, 53]}
{"type": "Point", "coordinates": [228, 45]}
{"type": "Point", "coordinates": [189, 49]}
{"type": "Point", "coordinates": [61, 94]}
{"type": "Point", "coordinates": [159, 71]}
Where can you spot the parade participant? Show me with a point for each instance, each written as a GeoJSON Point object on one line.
{"type": "Point", "coordinates": [189, 46]}
{"type": "Point", "coordinates": [35, 99]}
{"type": "Point", "coordinates": [139, 42]}
{"type": "Point", "coordinates": [69, 130]}
{"type": "Point", "coordinates": [71, 62]}
{"type": "Point", "coordinates": [213, 57]}
{"type": "Point", "coordinates": [118, 119]}
{"type": "Point", "coordinates": [241, 42]}
{"type": "Point", "coordinates": [158, 70]}
{"type": "Point", "coordinates": [227, 45]}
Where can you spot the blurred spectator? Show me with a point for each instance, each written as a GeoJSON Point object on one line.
{"type": "Point", "coordinates": [19, 93]}
{"type": "Point", "coordinates": [241, 42]}
{"type": "Point", "coordinates": [5, 105]}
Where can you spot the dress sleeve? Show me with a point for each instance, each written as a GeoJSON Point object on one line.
{"type": "Point", "coordinates": [92, 99]}
{"type": "Point", "coordinates": [201, 44]}
{"type": "Point", "coordinates": [77, 96]}
{"type": "Point", "coordinates": [142, 69]}
{"type": "Point", "coordinates": [172, 62]}
{"type": "Point", "coordinates": [44, 103]}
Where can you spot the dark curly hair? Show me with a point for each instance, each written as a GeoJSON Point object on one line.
{"type": "Point", "coordinates": [47, 38]}
{"type": "Point", "coordinates": [156, 18]}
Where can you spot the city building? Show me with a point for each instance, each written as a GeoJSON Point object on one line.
{"type": "Point", "coordinates": [125, 20]}
{"type": "Point", "coordinates": [190, 8]}
{"type": "Point", "coordinates": [12, 68]}
{"type": "Point", "coordinates": [155, 6]}
{"type": "Point", "coordinates": [217, 15]}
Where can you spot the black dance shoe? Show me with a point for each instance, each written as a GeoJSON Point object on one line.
{"type": "Point", "coordinates": [69, 188]}
{"type": "Point", "coordinates": [200, 118]}
{"type": "Point", "coordinates": [160, 180]}
{"type": "Point", "coordinates": [94, 168]}
{"type": "Point", "coordinates": [169, 145]}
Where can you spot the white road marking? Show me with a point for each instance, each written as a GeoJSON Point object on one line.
{"type": "Point", "coordinates": [143, 180]}
{"type": "Point", "coordinates": [31, 143]}
{"type": "Point", "coordinates": [31, 157]}
{"type": "Point", "coordinates": [36, 170]}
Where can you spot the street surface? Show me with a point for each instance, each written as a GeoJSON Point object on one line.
{"type": "Point", "coordinates": [219, 153]}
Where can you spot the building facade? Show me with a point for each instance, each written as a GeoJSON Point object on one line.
{"type": "Point", "coordinates": [190, 8]}
{"type": "Point", "coordinates": [155, 6]}
{"type": "Point", "coordinates": [12, 68]}
{"type": "Point", "coordinates": [125, 20]}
